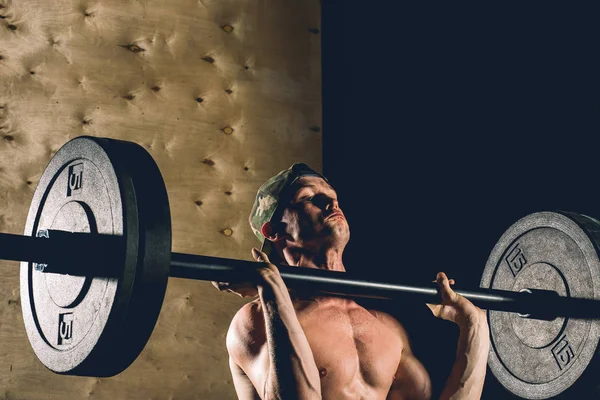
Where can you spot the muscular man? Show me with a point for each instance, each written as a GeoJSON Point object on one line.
{"type": "Point", "coordinates": [287, 345]}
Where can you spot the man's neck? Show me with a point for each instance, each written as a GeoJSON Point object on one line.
{"type": "Point", "coordinates": [330, 259]}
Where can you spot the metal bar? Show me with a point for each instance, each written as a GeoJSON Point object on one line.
{"type": "Point", "coordinates": [94, 255]}
{"type": "Point", "coordinates": [22, 248]}
{"type": "Point", "coordinates": [539, 304]}
{"type": "Point", "coordinates": [73, 253]}
{"type": "Point", "coordinates": [331, 282]}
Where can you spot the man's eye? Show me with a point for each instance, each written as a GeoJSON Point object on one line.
{"type": "Point", "coordinates": [319, 200]}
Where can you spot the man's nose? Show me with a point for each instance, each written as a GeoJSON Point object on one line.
{"type": "Point", "coordinates": [332, 204]}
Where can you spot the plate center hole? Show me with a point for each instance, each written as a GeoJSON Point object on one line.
{"type": "Point", "coordinates": [532, 332]}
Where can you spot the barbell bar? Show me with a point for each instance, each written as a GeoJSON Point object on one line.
{"type": "Point", "coordinates": [52, 252]}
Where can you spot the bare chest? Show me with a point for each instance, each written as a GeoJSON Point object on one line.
{"type": "Point", "coordinates": [357, 355]}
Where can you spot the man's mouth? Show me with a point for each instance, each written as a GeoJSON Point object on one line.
{"type": "Point", "coordinates": [335, 214]}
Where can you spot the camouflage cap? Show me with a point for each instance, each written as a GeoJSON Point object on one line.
{"type": "Point", "coordinates": [269, 199]}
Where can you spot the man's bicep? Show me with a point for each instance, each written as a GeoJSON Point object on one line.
{"type": "Point", "coordinates": [411, 381]}
{"type": "Point", "coordinates": [243, 385]}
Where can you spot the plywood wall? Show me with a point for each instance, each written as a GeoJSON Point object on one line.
{"type": "Point", "coordinates": [222, 93]}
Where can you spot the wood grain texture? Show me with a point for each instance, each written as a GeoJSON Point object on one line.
{"type": "Point", "coordinates": [223, 94]}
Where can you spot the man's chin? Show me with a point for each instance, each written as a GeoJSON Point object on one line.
{"type": "Point", "coordinates": [340, 233]}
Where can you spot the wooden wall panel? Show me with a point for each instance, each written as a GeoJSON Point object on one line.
{"type": "Point", "coordinates": [223, 94]}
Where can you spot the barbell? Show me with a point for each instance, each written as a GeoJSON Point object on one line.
{"type": "Point", "coordinates": [96, 257]}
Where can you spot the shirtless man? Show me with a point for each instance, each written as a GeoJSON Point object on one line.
{"type": "Point", "coordinates": [286, 345]}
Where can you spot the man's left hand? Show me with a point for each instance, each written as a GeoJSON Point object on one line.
{"type": "Point", "coordinates": [455, 307]}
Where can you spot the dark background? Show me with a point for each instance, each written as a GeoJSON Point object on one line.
{"type": "Point", "coordinates": [442, 126]}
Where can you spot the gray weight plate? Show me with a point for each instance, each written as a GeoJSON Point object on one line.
{"type": "Point", "coordinates": [97, 326]}
{"type": "Point", "coordinates": [537, 359]}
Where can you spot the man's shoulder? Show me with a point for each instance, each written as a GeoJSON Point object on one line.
{"type": "Point", "coordinates": [391, 322]}
{"type": "Point", "coordinates": [246, 332]}
{"type": "Point", "coordinates": [251, 309]}
{"type": "Point", "coordinates": [248, 318]}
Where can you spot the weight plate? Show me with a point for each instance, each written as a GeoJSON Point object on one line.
{"type": "Point", "coordinates": [537, 359]}
{"type": "Point", "coordinates": [97, 326]}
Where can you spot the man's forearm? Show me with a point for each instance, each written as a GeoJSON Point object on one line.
{"type": "Point", "coordinates": [468, 372]}
{"type": "Point", "coordinates": [292, 372]}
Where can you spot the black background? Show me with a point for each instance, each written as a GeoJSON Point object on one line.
{"type": "Point", "coordinates": [445, 124]}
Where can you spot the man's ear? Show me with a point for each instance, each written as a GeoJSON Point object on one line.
{"type": "Point", "coordinates": [269, 232]}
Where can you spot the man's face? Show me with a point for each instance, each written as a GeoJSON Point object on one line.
{"type": "Point", "coordinates": [313, 218]}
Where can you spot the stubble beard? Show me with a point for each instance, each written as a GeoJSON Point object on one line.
{"type": "Point", "coordinates": [339, 234]}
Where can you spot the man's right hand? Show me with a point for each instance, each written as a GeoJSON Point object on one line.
{"type": "Point", "coordinates": [265, 276]}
